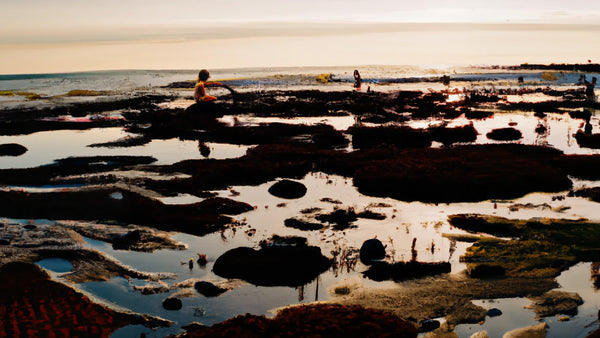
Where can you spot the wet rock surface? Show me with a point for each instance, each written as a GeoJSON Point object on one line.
{"type": "Point", "coordinates": [327, 320]}
{"type": "Point", "coordinates": [534, 331]}
{"type": "Point", "coordinates": [556, 302]}
{"type": "Point", "coordinates": [385, 160]}
{"type": "Point", "coordinates": [46, 307]}
{"type": "Point", "coordinates": [544, 247]}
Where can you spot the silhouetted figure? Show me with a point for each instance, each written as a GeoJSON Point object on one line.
{"type": "Point", "coordinates": [203, 148]}
{"type": "Point", "coordinates": [200, 92]}
{"type": "Point", "coordinates": [357, 80]}
{"type": "Point", "coordinates": [589, 89]}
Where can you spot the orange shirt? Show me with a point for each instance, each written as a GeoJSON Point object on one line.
{"type": "Point", "coordinates": [200, 92]}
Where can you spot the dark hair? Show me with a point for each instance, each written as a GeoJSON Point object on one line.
{"type": "Point", "coordinates": [203, 75]}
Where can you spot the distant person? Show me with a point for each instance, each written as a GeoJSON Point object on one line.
{"type": "Point", "coordinates": [200, 92]}
{"type": "Point", "coordinates": [357, 80]}
{"type": "Point", "coordinates": [589, 89]}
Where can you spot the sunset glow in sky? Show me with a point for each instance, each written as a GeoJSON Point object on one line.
{"type": "Point", "coordinates": [67, 35]}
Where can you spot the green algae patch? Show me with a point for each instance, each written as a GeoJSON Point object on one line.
{"type": "Point", "coordinates": [29, 95]}
{"type": "Point", "coordinates": [518, 258]}
{"type": "Point", "coordinates": [84, 92]}
{"type": "Point", "coordinates": [6, 93]}
{"type": "Point", "coordinates": [542, 248]}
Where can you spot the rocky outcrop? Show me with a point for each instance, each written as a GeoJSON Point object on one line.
{"type": "Point", "coordinates": [556, 302]}
{"type": "Point", "coordinates": [371, 250]}
{"type": "Point", "coordinates": [12, 149]}
{"type": "Point", "coordinates": [291, 265]}
{"type": "Point", "coordinates": [534, 331]}
{"type": "Point", "coordinates": [288, 189]}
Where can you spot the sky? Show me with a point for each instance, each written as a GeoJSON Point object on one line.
{"type": "Point", "coordinates": [42, 28]}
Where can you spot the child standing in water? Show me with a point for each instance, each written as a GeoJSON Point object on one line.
{"type": "Point", "coordinates": [200, 92]}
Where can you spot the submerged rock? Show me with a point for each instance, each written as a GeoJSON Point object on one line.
{"type": "Point", "coordinates": [494, 312]}
{"type": "Point", "coordinates": [534, 331]}
{"type": "Point", "coordinates": [283, 265]}
{"type": "Point", "coordinates": [208, 289]}
{"type": "Point", "coordinates": [172, 304]}
{"type": "Point", "coordinates": [288, 189]}
{"type": "Point", "coordinates": [556, 302]}
{"type": "Point", "coordinates": [151, 289]}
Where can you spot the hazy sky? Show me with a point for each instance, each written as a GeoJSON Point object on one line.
{"type": "Point", "coordinates": [43, 15]}
{"type": "Point", "coordinates": [42, 35]}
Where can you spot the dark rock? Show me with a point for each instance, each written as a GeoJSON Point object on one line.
{"type": "Point", "coordinates": [302, 224]}
{"type": "Point", "coordinates": [380, 271]}
{"type": "Point", "coordinates": [318, 320]}
{"type": "Point", "coordinates": [441, 175]}
{"type": "Point", "coordinates": [277, 240]}
{"type": "Point", "coordinates": [504, 134]}
{"type": "Point", "coordinates": [180, 85]}
{"type": "Point", "coordinates": [447, 136]}
{"type": "Point", "coordinates": [342, 218]}
{"type": "Point", "coordinates": [427, 325]}
{"type": "Point", "coordinates": [588, 140]}
{"type": "Point", "coordinates": [208, 289]}
{"type": "Point", "coordinates": [368, 214]}
{"type": "Point", "coordinates": [540, 129]}
{"type": "Point", "coordinates": [486, 270]}
{"type": "Point", "coordinates": [401, 137]}
{"type": "Point", "coordinates": [581, 114]}
{"type": "Point", "coordinates": [371, 249]}
{"type": "Point", "coordinates": [12, 149]}
{"type": "Point", "coordinates": [204, 149]}
{"type": "Point", "coordinates": [478, 114]}
{"type": "Point", "coordinates": [494, 312]}
{"type": "Point", "coordinates": [288, 189]}
{"type": "Point", "coordinates": [151, 289]}
{"type": "Point", "coordinates": [172, 304]}
{"type": "Point", "coordinates": [275, 265]}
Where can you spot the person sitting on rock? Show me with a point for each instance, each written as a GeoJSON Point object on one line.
{"type": "Point", "coordinates": [200, 92]}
